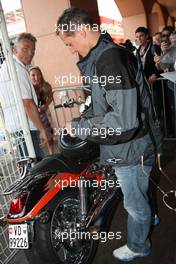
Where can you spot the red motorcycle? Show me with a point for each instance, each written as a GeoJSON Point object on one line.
{"type": "Point", "coordinates": [62, 204]}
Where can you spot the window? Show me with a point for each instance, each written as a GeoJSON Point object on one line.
{"type": "Point", "coordinates": [14, 17]}
{"type": "Point", "coordinates": [111, 19]}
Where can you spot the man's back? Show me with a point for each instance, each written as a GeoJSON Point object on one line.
{"type": "Point", "coordinates": [9, 106]}
{"type": "Point", "coordinates": [116, 102]}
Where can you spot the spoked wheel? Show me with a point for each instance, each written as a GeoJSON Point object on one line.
{"type": "Point", "coordinates": [60, 240]}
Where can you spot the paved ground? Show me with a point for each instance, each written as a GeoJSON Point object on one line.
{"type": "Point", "coordinates": [163, 236]}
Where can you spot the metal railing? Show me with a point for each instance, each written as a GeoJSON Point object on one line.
{"type": "Point", "coordinates": [168, 110]}
{"type": "Point", "coordinates": [9, 173]}
{"type": "Point", "coordinates": [168, 106]}
{"type": "Point", "coordinates": [15, 133]}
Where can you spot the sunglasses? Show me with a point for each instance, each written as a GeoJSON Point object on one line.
{"type": "Point", "coordinates": [165, 35]}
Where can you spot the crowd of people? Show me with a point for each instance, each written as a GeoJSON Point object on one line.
{"type": "Point", "coordinates": [158, 55]}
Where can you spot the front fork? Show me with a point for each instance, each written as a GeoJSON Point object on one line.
{"type": "Point", "coordinates": [83, 200]}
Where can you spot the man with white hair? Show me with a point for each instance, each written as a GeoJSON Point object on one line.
{"type": "Point", "coordinates": [23, 50]}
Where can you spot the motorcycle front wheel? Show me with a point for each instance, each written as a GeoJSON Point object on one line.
{"type": "Point", "coordinates": [60, 241]}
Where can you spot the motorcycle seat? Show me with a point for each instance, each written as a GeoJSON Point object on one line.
{"type": "Point", "coordinates": [58, 163]}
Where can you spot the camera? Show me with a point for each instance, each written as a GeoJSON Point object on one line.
{"type": "Point", "coordinates": [155, 49]}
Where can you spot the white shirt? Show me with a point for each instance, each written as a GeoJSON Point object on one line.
{"type": "Point", "coordinates": [11, 117]}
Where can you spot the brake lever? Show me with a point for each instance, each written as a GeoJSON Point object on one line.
{"type": "Point", "coordinates": [69, 103]}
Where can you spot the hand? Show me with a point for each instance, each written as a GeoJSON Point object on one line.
{"type": "Point", "coordinates": [164, 47]}
{"type": "Point", "coordinates": [157, 59]}
{"type": "Point", "coordinates": [42, 109]}
{"type": "Point", "coordinates": [152, 78]}
{"type": "Point", "coordinates": [43, 137]}
{"type": "Point", "coordinates": [68, 127]}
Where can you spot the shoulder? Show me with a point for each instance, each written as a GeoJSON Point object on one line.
{"type": "Point", "coordinates": [116, 58]}
{"type": "Point", "coordinates": [113, 52]}
{"type": "Point", "coordinates": [24, 79]}
{"type": "Point", "coordinates": [47, 84]}
{"type": "Point", "coordinates": [46, 87]}
{"type": "Point", "coordinates": [22, 71]}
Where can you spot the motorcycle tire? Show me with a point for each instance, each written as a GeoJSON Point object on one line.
{"type": "Point", "coordinates": [47, 248]}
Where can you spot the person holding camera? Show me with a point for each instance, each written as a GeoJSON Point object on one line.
{"type": "Point", "coordinates": [165, 45]}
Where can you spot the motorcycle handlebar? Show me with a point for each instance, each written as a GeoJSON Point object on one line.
{"type": "Point", "coordinates": [68, 104]}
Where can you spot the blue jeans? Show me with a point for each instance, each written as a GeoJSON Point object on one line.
{"type": "Point", "coordinates": [35, 134]}
{"type": "Point", "coordinates": [134, 184]}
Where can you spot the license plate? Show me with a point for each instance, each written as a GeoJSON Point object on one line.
{"type": "Point", "coordinates": [18, 236]}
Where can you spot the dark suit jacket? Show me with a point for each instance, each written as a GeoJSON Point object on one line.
{"type": "Point", "coordinates": [149, 65]}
